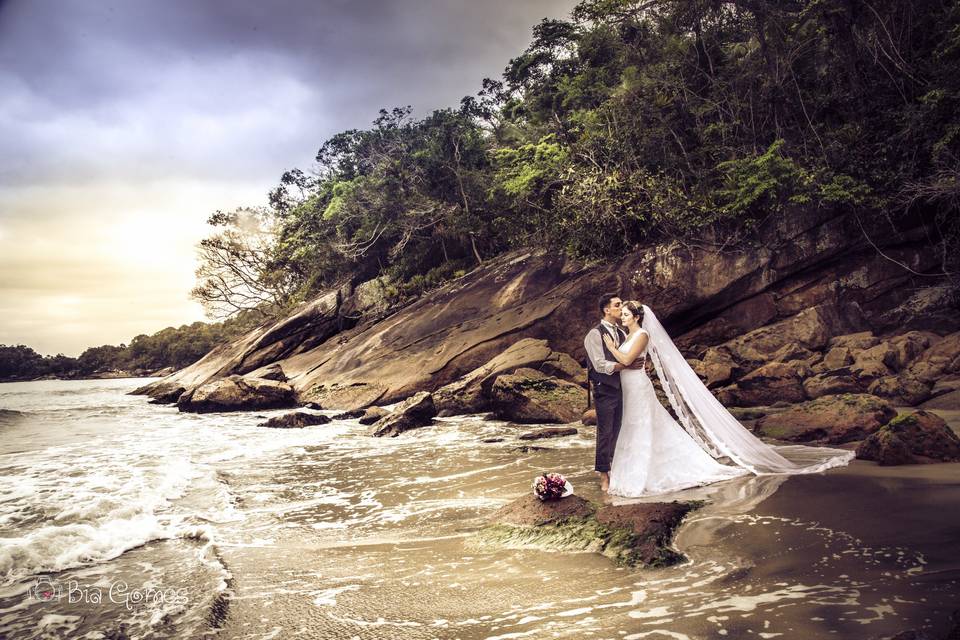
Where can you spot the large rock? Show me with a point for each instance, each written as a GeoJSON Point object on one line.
{"type": "Point", "coordinates": [945, 394]}
{"type": "Point", "coordinates": [858, 341]}
{"type": "Point", "coordinates": [810, 329]}
{"type": "Point", "coordinates": [833, 382]}
{"type": "Point", "coordinates": [237, 393]}
{"type": "Point", "coordinates": [830, 419]}
{"type": "Point", "coordinates": [636, 534]}
{"type": "Point", "coordinates": [295, 420]}
{"type": "Point", "coordinates": [550, 432]}
{"type": "Point", "coordinates": [901, 390]}
{"type": "Point", "coordinates": [940, 359]}
{"type": "Point", "coordinates": [873, 363]}
{"type": "Point", "coordinates": [471, 392]}
{"type": "Point", "coordinates": [837, 358]}
{"type": "Point", "coordinates": [373, 414]}
{"type": "Point", "coordinates": [529, 396]}
{"type": "Point", "coordinates": [909, 346]}
{"type": "Point", "coordinates": [416, 411]}
{"type": "Point", "coordinates": [651, 524]}
{"type": "Point", "coordinates": [911, 438]}
{"type": "Point", "coordinates": [167, 394]}
{"type": "Point", "coordinates": [773, 382]}
{"type": "Point", "coordinates": [718, 367]}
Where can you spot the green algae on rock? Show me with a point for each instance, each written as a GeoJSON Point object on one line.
{"type": "Point", "coordinates": [911, 439]}
{"type": "Point", "coordinates": [631, 535]}
{"type": "Point", "coordinates": [829, 419]}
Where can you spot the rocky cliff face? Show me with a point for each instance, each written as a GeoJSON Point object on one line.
{"type": "Point", "coordinates": [808, 280]}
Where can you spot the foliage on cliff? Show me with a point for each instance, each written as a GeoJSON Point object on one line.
{"type": "Point", "coordinates": [638, 120]}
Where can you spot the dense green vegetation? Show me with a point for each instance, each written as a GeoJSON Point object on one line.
{"type": "Point", "coordinates": [632, 122]}
{"type": "Point", "coordinates": [171, 347]}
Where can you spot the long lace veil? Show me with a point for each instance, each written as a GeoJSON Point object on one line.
{"type": "Point", "coordinates": [714, 428]}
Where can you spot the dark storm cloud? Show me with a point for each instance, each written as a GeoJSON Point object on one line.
{"type": "Point", "coordinates": [88, 81]}
{"type": "Point", "coordinates": [124, 124]}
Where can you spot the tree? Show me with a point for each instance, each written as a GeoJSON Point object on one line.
{"type": "Point", "coordinates": [236, 269]}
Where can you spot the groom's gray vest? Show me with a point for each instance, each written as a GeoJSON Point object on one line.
{"type": "Point", "coordinates": [609, 379]}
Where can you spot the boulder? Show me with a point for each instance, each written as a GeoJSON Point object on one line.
{"type": "Point", "coordinates": [528, 396]}
{"type": "Point", "coordinates": [471, 392]}
{"type": "Point", "coordinates": [945, 385]}
{"type": "Point", "coordinates": [830, 419]}
{"type": "Point", "coordinates": [530, 511]}
{"type": "Point", "coordinates": [770, 383]}
{"type": "Point", "coordinates": [161, 391]}
{"type": "Point", "coordinates": [353, 414]}
{"type": "Point", "coordinates": [855, 341]}
{"type": "Point", "coordinates": [348, 397]}
{"type": "Point", "coordinates": [947, 402]}
{"type": "Point", "coordinates": [791, 352]}
{"type": "Point", "coordinates": [832, 382]}
{"type": "Point", "coordinates": [631, 535]}
{"type": "Point", "coordinates": [810, 329]}
{"type": "Point", "coordinates": [909, 346]}
{"type": "Point", "coordinates": [940, 359]}
{"type": "Point", "coordinates": [886, 449]}
{"type": "Point", "coordinates": [911, 438]}
{"type": "Point", "coordinates": [551, 432]}
{"type": "Point", "coordinates": [236, 393]}
{"type": "Point", "coordinates": [900, 390]}
{"type": "Point", "coordinates": [718, 367]}
{"type": "Point", "coordinates": [416, 411]}
{"type": "Point", "coordinates": [373, 414]}
{"type": "Point", "coordinates": [167, 395]}
{"type": "Point", "coordinates": [882, 352]}
{"type": "Point", "coordinates": [295, 420]}
{"type": "Point", "coordinates": [589, 417]}
{"type": "Point", "coordinates": [651, 524]}
{"type": "Point", "coordinates": [837, 358]}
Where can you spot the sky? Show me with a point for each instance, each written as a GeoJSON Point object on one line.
{"type": "Point", "coordinates": [124, 124]}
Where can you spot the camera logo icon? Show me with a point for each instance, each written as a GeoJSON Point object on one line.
{"type": "Point", "coordinates": [45, 589]}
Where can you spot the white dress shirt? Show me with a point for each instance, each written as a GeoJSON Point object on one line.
{"type": "Point", "coordinates": [593, 344]}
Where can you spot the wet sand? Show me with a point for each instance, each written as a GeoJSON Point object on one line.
{"type": "Point", "coordinates": [857, 552]}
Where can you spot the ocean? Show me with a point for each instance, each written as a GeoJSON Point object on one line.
{"type": "Point", "coordinates": [120, 518]}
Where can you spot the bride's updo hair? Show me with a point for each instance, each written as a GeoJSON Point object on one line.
{"type": "Point", "coordinates": [636, 309]}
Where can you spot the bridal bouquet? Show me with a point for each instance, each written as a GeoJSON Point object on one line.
{"type": "Point", "coordinates": [551, 486]}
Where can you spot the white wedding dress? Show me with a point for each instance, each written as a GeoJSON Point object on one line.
{"type": "Point", "coordinates": [656, 454]}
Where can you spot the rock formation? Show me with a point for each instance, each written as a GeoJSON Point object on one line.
{"type": "Point", "coordinates": [811, 312]}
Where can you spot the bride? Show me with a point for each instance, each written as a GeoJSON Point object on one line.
{"type": "Point", "coordinates": [655, 454]}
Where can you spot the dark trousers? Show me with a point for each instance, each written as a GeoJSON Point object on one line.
{"type": "Point", "coordinates": [609, 404]}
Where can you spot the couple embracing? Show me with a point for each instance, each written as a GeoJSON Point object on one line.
{"type": "Point", "coordinates": [641, 449]}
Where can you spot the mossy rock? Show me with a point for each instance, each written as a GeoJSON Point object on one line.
{"type": "Point", "coordinates": [829, 419]}
{"type": "Point", "coordinates": [529, 396]}
{"type": "Point", "coordinates": [920, 436]}
{"type": "Point", "coordinates": [631, 535]}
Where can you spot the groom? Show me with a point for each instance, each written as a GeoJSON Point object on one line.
{"type": "Point", "coordinates": [604, 374]}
